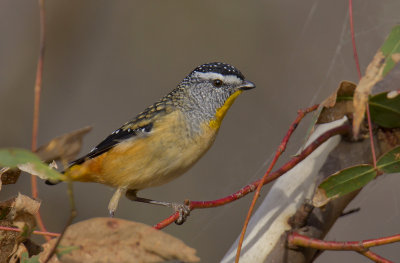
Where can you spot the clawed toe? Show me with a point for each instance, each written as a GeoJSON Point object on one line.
{"type": "Point", "coordinates": [184, 212]}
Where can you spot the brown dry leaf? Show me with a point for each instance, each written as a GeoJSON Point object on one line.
{"type": "Point", "coordinates": [16, 256]}
{"type": "Point", "coordinates": [25, 204]}
{"type": "Point", "coordinates": [24, 211]}
{"type": "Point", "coordinates": [9, 175]}
{"type": "Point", "coordinates": [21, 204]}
{"type": "Point", "coordinates": [8, 241]}
{"type": "Point", "coordinates": [118, 240]}
{"type": "Point", "coordinates": [16, 212]}
{"type": "Point", "coordinates": [65, 147]}
{"type": "Point", "coordinates": [336, 110]}
{"type": "Point", "coordinates": [373, 74]}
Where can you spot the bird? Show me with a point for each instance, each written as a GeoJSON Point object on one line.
{"type": "Point", "coordinates": [166, 139]}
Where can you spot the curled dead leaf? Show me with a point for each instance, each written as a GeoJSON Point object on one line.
{"type": "Point", "coordinates": [373, 74]}
{"type": "Point", "coordinates": [338, 104]}
{"type": "Point", "coordinates": [65, 147]}
{"type": "Point", "coordinates": [25, 204]}
{"type": "Point", "coordinates": [17, 254]}
{"type": "Point", "coordinates": [345, 89]}
{"type": "Point", "coordinates": [16, 212]}
{"type": "Point", "coordinates": [9, 175]}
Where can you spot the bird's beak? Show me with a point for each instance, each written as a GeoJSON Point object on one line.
{"type": "Point", "coordinates": [246, 85]}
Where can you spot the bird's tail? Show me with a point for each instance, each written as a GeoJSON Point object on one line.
{"type": "Point", "coordinates": [54, 182]}
{"type": "Point", "coordinates": [75, 172]}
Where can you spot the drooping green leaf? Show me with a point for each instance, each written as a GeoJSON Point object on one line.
{"type": "Point", "coordinates": [390, 161]}
{"type": "Point", "coordinates": [384, 111]}
{"type": "Point", "coordinates": [391, 50]}
{"type": "Point", "coordinates": [28, 162]}
{"type": "Point", "coordinates": [343, 182]}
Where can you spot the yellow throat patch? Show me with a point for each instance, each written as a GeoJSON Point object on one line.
{"type": "Point", "coordinates": [220, 114]}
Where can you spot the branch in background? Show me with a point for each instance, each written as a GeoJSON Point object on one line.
{"type": "Point", "coordinates": [362, 247]}
{"type": "Point", "coordinates": [38, 87]}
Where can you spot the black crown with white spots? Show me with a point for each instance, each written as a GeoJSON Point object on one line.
{"type": "Point", "coordinates": [219, 67]}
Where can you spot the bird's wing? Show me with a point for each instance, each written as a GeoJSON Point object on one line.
{"type": "Point", "coordinates": [140, 126]}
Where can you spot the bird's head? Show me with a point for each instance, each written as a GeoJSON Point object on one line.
{"type": "Point", "coordinates": [212, 88]}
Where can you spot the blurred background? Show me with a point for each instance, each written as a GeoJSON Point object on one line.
{"type": "Point", "coordinates": [108, 60]}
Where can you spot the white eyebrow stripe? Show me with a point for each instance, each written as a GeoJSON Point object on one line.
{"type": "Point", "coordinates": [232, 79]}
{"type": "Point", "coordinates": [213, 75]}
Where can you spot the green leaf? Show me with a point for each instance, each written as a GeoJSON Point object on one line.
{"type": "Point", "coordinates": [343, 182]}
{"type": "Point", "coordinates": [28, 162]}
{"type": "Point", "coordinates": [385, 112]}
{"type": "Point", "coordinates": [25, 258]}
{"type": "Point", "coordinates": [390, 48]}
{"type": "Point", "coordinates": [390, 161]}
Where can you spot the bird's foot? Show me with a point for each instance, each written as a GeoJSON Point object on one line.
{"type": "Point", "coordinates": [183, 210]}
{"type": "Point", "coordinates": [112, 206]}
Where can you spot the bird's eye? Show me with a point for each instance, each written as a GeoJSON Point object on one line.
{"type": "Point", "coordinates": [217, 83]}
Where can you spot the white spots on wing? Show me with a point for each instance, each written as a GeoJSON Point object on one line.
{"type": "Point", "coordinates": [94, 149]}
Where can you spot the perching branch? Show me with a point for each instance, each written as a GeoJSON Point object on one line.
{"type": "Point", "coordinates": [343, 129]}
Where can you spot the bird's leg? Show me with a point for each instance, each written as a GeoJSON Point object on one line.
{"type": "Point", "coordinates": [113, 204]}
{"type": "Point", "coordinates": [183, 209]}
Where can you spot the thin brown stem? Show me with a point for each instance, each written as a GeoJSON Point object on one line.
{"type": "Point", "coordinates": [301, 114]}
{"type": "Point", "coordinates": [34, 232]}
{"type": "Point", "coordinates": [37, 91]}
{"type": "Point", "coordinates": [362, 247]}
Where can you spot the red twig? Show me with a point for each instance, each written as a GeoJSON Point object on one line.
{"type": "Point", "coordinates": [361, 247]}
{"type": "Point", "coordinates": [272, 176]}
{"type": "Point", "coordinates": [34, 232]}
{"type": "Point", "coordinates": [37, 90]}
{"type": "Point", "coordinates": [353, 39]}
{"type": "Point", "coordinates": [38, 87]}
{"type": "Point", "coordinates": [282, 147]}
